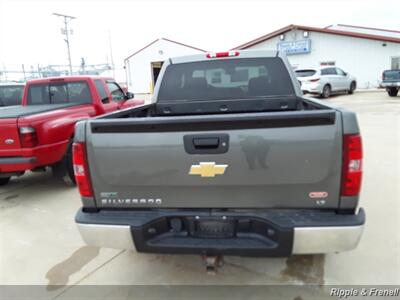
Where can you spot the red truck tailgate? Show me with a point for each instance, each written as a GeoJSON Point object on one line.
{"type": "Point", "coordinates": [9, 138]}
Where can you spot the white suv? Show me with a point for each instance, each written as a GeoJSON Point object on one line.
{"type": "Point", "coordinates": [325, 81]}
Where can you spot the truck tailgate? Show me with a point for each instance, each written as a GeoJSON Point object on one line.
{"type": "Point", "coordinates": [264, 160]}
{"type": "Point", "coordinates": [9, 121]}
{"type": "Point", "coordinates": [9, 137]}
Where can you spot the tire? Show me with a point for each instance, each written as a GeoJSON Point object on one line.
{"type": "Point", "coordinates": [326, 91]}
{"type": "Point", "coordinates": [352, 88]}
{"type": "Point", "coordinates": [4, 180]}
{"type": "Point", "coordinates": [64, 169]}
{"type": "Point", "coordinates": [392, 92]}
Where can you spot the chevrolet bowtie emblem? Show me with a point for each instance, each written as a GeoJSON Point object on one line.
{"type": "Point", "coordinates": [207, 169]}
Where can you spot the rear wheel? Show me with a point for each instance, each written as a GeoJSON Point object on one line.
{"type": "Point", "coordinates": [352, 88]}
{"type": "Point", "coordinates": [4, 180]}
{"type": "Point", "coordinates": [326, 91]}
{"type": "Point", "coordinates": [392, 92]}
{"type": "Point", "coordinates": [64, 169]}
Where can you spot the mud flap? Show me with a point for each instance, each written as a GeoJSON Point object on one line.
{"type": "Point", "coordinates": [63, 169]}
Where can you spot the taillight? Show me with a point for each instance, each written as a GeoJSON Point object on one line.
{"type": "Point", "coordinates": [314, 80]}
{"type": "Point", "coordinates": [222, 54]}
{"type": "Point", "coordinates": [28, 137]}
{"type": "Point", "coordinates": [352, 165]}
{"type": "Point", "coordinates": [81, 169]}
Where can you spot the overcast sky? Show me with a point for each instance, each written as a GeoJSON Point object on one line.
{"type": "Point", "coordinates": [30, 35]}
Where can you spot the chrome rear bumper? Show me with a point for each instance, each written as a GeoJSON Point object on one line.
{"type": "Point", "coordinates": [312, 240]}
{"type": "Point", "coordinates": [307, 240]}
{"type": "Point", "coordinates": [108, 236]}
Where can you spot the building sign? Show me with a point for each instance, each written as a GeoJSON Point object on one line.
{"type": "Point", "coordinates": [295, 47]}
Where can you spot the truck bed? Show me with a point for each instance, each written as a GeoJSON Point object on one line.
{"type": "Point", "coordinates": [21, 111]}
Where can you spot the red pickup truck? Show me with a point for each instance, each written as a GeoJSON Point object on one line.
{"type": "Point", "coordinates": [39, 133]}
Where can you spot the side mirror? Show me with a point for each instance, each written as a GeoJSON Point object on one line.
{"type": "Point", "coordinates": [345, 74]}
{"type": "Point", "coordinates": [105, 100]}
{"type": "Point", "coordinates": [129, 95]}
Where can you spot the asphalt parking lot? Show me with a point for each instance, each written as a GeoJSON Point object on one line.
{"type": "Point", "coordinates": [40, 244]}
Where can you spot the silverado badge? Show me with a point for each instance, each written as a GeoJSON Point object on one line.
{"type": "Point", "coordinates": [207, 169]}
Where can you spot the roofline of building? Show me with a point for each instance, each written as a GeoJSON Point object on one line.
{"type": "Point", "coordinates": [316, 29]}
{"type": "Point", "coordinates": [165, 39]}
{"type": "Point", "coordinates": [263, 38]}
{"type": "Point", "coordinates": [182, 44]}
{"type": "Point", "coordinates": [140, 50]}
{"type": "Point", "coordinates": [364, 27]}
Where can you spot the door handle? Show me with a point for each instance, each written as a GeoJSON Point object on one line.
{"type": "Point", "coordinates": [215, 143]}
{"type": "Point", "coordinates": [206, 143]}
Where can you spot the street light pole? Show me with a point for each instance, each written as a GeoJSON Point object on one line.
{"type": "Point", "coordinates": [66, 20]}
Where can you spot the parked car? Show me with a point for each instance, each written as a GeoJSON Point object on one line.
{"type": "Point", "coordinates": [11, 93]}
{"type": "Point", "coordinates": [241, 164]}
{"type": "Point", "coordinates": [391, 82]}
{"type": "Point", "coordinates": [325, 81]}
{"type": "Point", "coordinates": [39, 133]}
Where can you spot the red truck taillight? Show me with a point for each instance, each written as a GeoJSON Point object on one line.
{"type": "Point", "coordinates": [81, 169]}
{"type": "Point", "coordinates": [28, 137]}
{"type": "Point", "coordinates": [352, 165]}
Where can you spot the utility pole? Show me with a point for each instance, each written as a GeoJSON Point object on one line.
{"type": "Point", "coordinates": [65, 31]}
{"type": "Point", "coordinates": [111, 53]}
{"type": "Point", "coordinates": [23, 70]}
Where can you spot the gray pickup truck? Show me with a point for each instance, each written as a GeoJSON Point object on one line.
{"type": "Point", "coordinates": [229, 158]}
{"type": "Point", "coordinates": [391, 82]}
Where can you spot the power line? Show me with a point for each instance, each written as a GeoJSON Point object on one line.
{"type": "Point", "coordinates": [65, 32]}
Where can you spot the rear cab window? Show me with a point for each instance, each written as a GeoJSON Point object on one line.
{"type": "Point", "coordinates": [391, 75]}
{"type": "Point", "coordinates": [11, 95]}
{"type": "Point", "coordinates": [226, 79]}
{"type": "Point", "coordinates": [59, 93]}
